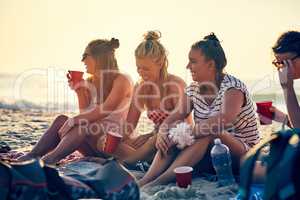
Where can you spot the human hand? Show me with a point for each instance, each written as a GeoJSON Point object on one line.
{"type": "Point", "coordinates": [141, 139]}
{"type": "Point", "coordinates": [278, 115]}
{"type": "Point", "coordinates": [66, 127]}
{"type": "Point", "coordinates": [264, 120]}
{"type": "Point", "coordinates": [181, 135]}
{"type": "Point", "coordinates": [163, 143]}
{"type": "Point", "coordinates": [71, 85]}
{"type": "Point", "coordinates": [286, 74]}
{"type": "Point", "coordinates": [74, 86]}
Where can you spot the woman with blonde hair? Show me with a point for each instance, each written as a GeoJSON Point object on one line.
{"type": "Point", "coordinates": [222, 108]}
{"type": "Point", "coordinates": [103, 102]}
{"type": "Point", "coordinates": [158, 92]}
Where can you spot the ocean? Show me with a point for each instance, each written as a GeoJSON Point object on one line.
{"type": "Point", "coordinates": [48, 90]}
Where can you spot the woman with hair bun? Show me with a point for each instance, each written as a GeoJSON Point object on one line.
{"type": "Point", "coordinates": [222, 108]}
{"type": "Point", "coordinates": [103, 103]}
{"type": "Point", "coordinates": [158, 93]}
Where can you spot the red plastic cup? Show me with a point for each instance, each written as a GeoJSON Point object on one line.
{"type": "Point", "coordinates": [112, 142]}
{"type": "Point", "coordinates": [263, 108]}
{"type": "Point", "coordinates": [183, 176]}
{"type": "Point", "coordinates": [75, 76]}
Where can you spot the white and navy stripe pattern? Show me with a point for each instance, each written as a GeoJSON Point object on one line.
{"type": "Point", "coordinates": [244, 126]}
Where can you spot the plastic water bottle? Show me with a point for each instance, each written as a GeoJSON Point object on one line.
{"type": "Point", "coordinates": [221, 160]}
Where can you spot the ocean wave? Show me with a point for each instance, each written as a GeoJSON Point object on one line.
{"type": "Point", "coordinates": [28, 105]}
{"type": "Point", "coordinates": [19, 105]}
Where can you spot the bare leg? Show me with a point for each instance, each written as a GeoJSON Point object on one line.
{"type": "Point", "coordinates": [145, 152]}
{"type": "Point", "coordinates": [90, 148]}
{"type": "Point", "coordinates": [193, 154]}
{"type": "Point", "coordinates": [48, 141]}
{"type": "Point", "coordinates": [86, 150]}
{"type": "Point", "coordinates": [188, 157]}
{"type": "Point", "coordinates": [158, 166]}
{"type": "Point", "coordinates": [68, 144]}
{"type": "Point", "coordinates": [124, 150]}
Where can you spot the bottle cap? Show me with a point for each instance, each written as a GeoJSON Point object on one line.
{"type": "Point", "coordinates": [217, 141]}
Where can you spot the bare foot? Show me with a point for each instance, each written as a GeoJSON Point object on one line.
{"type": "Point", "coordinates": [142, 182]}
{"type": "Point", "coordinates": [25, 157]}
{"type": "Point", "coordinates": [150, 185]}
{"type": "Point", "coordinates": [47, 159]}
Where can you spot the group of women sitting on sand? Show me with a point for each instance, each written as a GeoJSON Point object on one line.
{"type": "Point", "coordinates": [216, 104]}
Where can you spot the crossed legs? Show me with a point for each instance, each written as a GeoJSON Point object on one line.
{"type": "Point", "coordinates": [52, 147]}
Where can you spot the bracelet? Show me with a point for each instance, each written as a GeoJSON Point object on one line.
{"type": "Point", "coordinates": [273, 115]}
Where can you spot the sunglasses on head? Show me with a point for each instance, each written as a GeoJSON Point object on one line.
{"type": "Point", "coordinates": [280, 64]}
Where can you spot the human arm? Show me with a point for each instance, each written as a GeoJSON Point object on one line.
{"type": "Point", "coordinates": [121, 89]}
{"type": "Point", "coordinates": [287, 84]}
{"type": "Point", "coordinates": [84, 98]}
{"type": "Point", "coordinates": [177, 91]}
{"type": "Point", "coordinates": [134, 113]}
{"type": "Point", "coordinates": [181, 111]}
{"type": "Point", "coordinates": [82, 91]}
{"type": "Point", "coordinates": [292, 107]}
{"type": "Point", "coordinates": [232, 105]}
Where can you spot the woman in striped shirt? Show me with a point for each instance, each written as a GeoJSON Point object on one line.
{"type": "Point", "coordinates": [222, 108]}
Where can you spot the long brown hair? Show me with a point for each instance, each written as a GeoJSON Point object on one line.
{"type": "Point", "coordinates": [103, 51]}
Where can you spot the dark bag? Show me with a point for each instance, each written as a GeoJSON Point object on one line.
{"type": "Point", "coordinates": [110, 180]}
{"type": "Point", "coordinates": [282, 174]}
{"type": "Point", "coordinates": [33, 180]}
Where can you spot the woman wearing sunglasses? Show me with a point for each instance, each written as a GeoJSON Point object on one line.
{"type": "Point", "coordinates": [287, 61]}
{"type": "Point", "coordinates": [103, 103]}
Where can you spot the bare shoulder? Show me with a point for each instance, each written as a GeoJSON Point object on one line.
{"type": "Point", "coordinates": [174, 82]}
{"type": "Point", "coordinates": [123, 79]}
{"type": "Point", "coordinates": [141, 87]}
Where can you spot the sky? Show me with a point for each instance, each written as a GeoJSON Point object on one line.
{"type": "Point", "coordinates": [43, 34]}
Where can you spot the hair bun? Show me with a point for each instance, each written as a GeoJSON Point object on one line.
{"type": "Point", "coordinates": [212, 36]}
{"type": "Point", "coordinates": [114, 43]}
{"type": "Point", "coordinates": [152, 35]}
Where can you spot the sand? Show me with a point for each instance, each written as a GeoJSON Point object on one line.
{"type": "Point", "coordinates": [19, 130]}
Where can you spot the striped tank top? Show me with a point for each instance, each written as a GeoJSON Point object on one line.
{"type": "Point", "coordinates": [244, 126]}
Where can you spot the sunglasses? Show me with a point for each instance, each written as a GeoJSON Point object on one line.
{"type": "Point", "coordinates": [84, 56]}
{"type": "Point", "coordinates": [280, 64]}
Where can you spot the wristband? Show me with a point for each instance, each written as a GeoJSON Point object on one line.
{"type": "Point", "coordinates": [272, 115]}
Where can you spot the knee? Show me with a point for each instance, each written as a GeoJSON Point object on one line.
{"type": "Point", "coordinates": [61, 119]}
{"type": "Point", "coordinates": [205, 139]}
{"type": "Point", "coordinates": [58, 122]}
{"type": "Point", "coordinates": [94, 129]}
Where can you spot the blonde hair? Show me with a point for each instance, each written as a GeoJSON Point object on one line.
{"type": "Point", "coordinates": [150, 47]}
{"type": "Point", "coordinates": [103, 51]}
